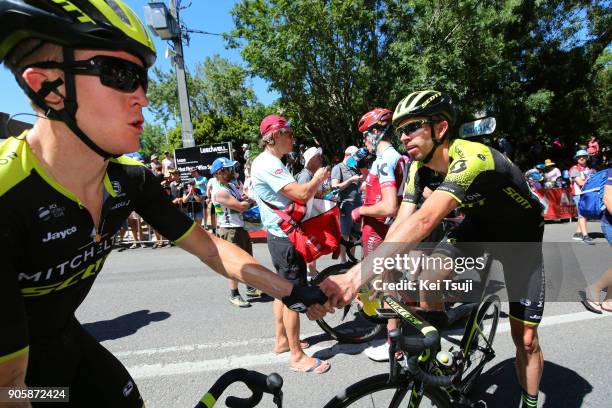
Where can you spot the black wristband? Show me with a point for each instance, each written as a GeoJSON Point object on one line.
{"type": "Point", "coordinates": [303, 296]}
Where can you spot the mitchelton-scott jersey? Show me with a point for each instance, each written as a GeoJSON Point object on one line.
{"type": "Point", "coordinates": [485, 183]}
{"type": "Point", "coordinates": [51, 249]}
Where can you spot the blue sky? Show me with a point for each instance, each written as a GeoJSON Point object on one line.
{"type": "Point", "coordinates": [206, 15]}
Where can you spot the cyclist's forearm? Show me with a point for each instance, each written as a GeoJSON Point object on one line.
{"type": "Point", "coordinates": [238, 264]}
{"type": "Point", "coordinates": [12, 375]}
{"type": "Point", "coordinates": [232, 262]}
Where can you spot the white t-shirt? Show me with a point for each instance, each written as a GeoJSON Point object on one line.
{"type": "Point", "coordinates": [268, 176]}
{"type": "Point", "coordinates": [167, 165]}
{"type": "Point", "coordinates": [226, 217]}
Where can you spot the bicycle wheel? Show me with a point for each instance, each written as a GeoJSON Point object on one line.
{"type": "Point", "coordinates": [376, 392]}
{"type": "Point", "coordinates": [479, 347]}
{"type": "Point", "coordinates": [351, 324]}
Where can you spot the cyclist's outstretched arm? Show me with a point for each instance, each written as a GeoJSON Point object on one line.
{"type": "Point", "coordinates": [230, 261]}
{"type": "Point", "coordinates": [404, 212]}
{"type": "Point", "coordinates": [404, 235]}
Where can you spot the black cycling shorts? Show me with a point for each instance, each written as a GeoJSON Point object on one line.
{"type": "Point", "coordinates": [75, 359]}
{"type": "Point", "coordinates": [287, 260]}
{"type": "Point", "coordinates": [518, 248]}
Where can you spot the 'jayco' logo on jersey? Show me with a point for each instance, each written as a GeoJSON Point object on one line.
{"type": "Point", "coordinates": [59, 235]}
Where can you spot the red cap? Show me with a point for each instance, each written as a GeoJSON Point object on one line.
{"type": "Point", "coordinates": [271, 123]}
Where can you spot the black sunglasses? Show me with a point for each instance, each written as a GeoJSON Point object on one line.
{"type": "Point", "coordinates": [117, 73]}
{"type": "Point", "coordinates": [411, 127]}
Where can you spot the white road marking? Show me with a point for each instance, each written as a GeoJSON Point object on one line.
{"type": "Point", "coordinates": [253, 360]}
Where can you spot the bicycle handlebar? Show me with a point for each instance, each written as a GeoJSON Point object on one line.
{"type": "Point", "coordinates": [435, 380]}
{"type": "Point", "coordinates": [414, 346]}
{"type": "Point", "coordinates": [257, 382]}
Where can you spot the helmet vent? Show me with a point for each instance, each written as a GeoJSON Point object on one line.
{"type": "Point", "coordinates": [118, 11]}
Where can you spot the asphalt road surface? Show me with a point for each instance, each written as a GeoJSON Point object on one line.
{"type": "Point", "coordinates": [168, 319]}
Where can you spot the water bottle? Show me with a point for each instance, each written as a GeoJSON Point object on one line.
{"type": "Point", "coordinates": [356, 157]}
{"type": "Point", "coordinates": [445, 361]}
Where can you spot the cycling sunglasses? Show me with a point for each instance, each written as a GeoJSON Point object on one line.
{"type": "Point", "coordinates": [411, 127]}
{"type": "Point", "coordinates": [117, 73]}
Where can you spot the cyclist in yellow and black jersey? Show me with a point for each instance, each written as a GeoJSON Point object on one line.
{"type": "Point", "coordinates": [65, 190]}
{"type": "Point", "coordinates": [499, 208]}
{"type": "Point", "coordinates": [485, 183]}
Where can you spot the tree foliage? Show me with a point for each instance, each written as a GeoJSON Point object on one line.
{"type": "Point", "coordinates": [223, 105]}
{"type": "Point", "coordinates": [542, 68]}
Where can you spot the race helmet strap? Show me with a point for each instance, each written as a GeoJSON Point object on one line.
{"type": "Point", "coordinates": [376, 140]}
{"type": "Point", "coordinates": [436, 143]}
{"type": "Point", "coordinates": [70, 103]}
{"type": "Point", "coordinates": [63, 115]}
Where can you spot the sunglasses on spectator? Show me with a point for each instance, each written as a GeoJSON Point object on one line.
{"type": "Point", "coordinates": [411, 127]}
{"type": "Point", "coordinates": [117, 73]}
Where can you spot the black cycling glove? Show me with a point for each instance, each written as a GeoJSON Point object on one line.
{"type": "Point", "coordinates": [303, 296]}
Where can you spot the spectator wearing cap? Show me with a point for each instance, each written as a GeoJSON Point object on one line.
{"type": "Point", "coordinates": [246, 152]}
{"type": "Point", "coordinates": [579, 173]}
{"type": "Point", "coordinates": [348, 181]}
{"type": "Point", "coordinates": [192, 202]}
{"type": "Point", "coordinates": [229, 205]}
{"type": "Point", "coordinates": [312, 163]}
{"type": "Point", "coordinates": [156, 166]}
{"type": "Point", "coordinates": [167, 163]}
{"type": "Point", "coordinates": [273, 183]}
{"type": "Point", "coordinates": [551, 172]}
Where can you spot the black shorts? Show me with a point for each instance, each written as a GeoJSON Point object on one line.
{"type": "Point", "coordinates": [286, 260]}
{"type": "Point", "coordinates": [518, 248]}
{"type": "Point", "coordinates": [76, 360]}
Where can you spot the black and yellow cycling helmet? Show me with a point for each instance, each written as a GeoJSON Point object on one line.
{"type": "Point", "coordinates": [72, 24]}
{"type": "Point", "coordinates": [87, 24]}
{"type": "Point", "coordinates": [425, 103]}
{"type": "Point", "coordinates": [431, 104]}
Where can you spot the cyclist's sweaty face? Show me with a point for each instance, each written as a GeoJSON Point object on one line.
{"type": "Point", "coordinates": [111, 118]}
{"type": "Point", "coordinates": [419, 142]}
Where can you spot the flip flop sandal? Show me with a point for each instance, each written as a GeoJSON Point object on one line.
{"type": "Point", "coordinates": [314, 368]}
{"type": "Point", "coordinates": [589, 305]}
{"type": "Point", "coordinates": [605, 303]}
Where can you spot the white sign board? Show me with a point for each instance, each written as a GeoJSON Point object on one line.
{"type": "Point", "coordinates": [478, 127]}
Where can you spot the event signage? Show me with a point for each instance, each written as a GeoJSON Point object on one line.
{"type": "Point", "coordinates": [479, 127]}
{"type": "Point", "coordinates": [203, 156]}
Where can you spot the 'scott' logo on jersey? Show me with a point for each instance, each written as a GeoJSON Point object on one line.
{"type": "Point", "coordinates": [59, 235]}
{"type": "Point", "coordinates": [278, 171]}
{"type": "Point", "coordinates": [458, 167]}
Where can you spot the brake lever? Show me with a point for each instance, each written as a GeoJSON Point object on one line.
{"type": "Point", "coordinates": [278, 399]}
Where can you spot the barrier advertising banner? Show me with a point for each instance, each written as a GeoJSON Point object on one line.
{"type": "Point", "coordinates": [203, 156]}
{"type": "Point", "coordinates": [558, 203]}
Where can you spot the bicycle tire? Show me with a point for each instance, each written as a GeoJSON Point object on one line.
{"type": "Point", "coordinates": [357, 395]}
{"type": "Point", "coordinates": [349, 325]}
{"type": "Point", "coordinates": [478, 354]}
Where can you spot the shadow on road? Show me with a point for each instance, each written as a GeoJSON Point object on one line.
{"type": "Point", "coordinates": [561, 386]}
{"type": "Point", "coordinates": [125, 325]}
